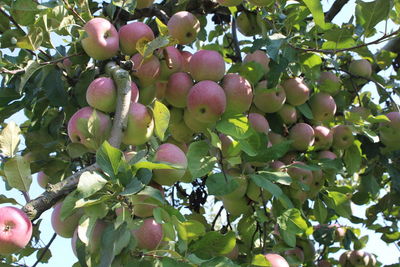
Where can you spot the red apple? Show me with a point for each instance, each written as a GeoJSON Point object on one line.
{"type": "Point", "coordinates": [259, 123]}
{"type": "Point", "coordinates": [140, 125]}
{"type": "Point", "coordinates": [276, 260]}
{"type": "Point", "coordinates": [323, 106]}
{"type": "Point", "coordinates": [178, 88]}
{"type": "Point", "coordinates": [172, 62]}
{"type": "Point", "coordinates": [67, 227]}
{"type": "Point", "coordinates": [207, 65]}
{"type": "Point", "coordinates": [186, 56]}
{"type": "Point", "coordinates": [323, 138]}
{"type": "Point", "coordinates": [297, 92]}
{"type": "Point", "coordinates": [94, 240]}
{"type": "Point", "coordinates": [184, 27]}
{"type": "Point", "coordinates": [132, 33]}
{"type": "Point", "coordinates": [302, 135]}
{"type": "Point", "coordinates": [259, 57]}
{"type": "Point", "coordinates": [302, 175]}
{"type": "Point", "coordinates": [288, 114]}
{"type": "Point", "coordinates": [239, 94]}
{"type": "Point", "coordinates": [102, 94]}
{"type": "Point", "coordinates": [269, 100]}
{"type": "Point", "coordinates": [42, 179]}
{"type": "Point", "coordinates": [146, 70]}
{"type": "Point", "coordinates": [149, 235]}
{"type": "Point", "coordinates": [329, 83]}
{"type": "Point", "coordinates": [342, 137]}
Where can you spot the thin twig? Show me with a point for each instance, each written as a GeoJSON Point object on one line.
{"type": "Point", "coordinates": [46, 248]}
{"type": "Point", "coordinates": [216, 218]}
{"type": "Point", "coordinates": [67, 5]}
{"type": "Point", "coordinates": [59, 59]}
{"type": "Point", "coordinates": [119, 12]}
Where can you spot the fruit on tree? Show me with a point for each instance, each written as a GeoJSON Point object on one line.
{"type": "Point", "coordinates": [102, 41]}
{"type": "Point", "coordinates": [362, 112]}
{"type": "Point", "coordinates": [297, 92]}
{"type": "Point", "coordinates": [242, 181]}
{"type": "Point", "coordinates": [178, 88]}
{"type": "Point", "coordinates": [229, 2]}
{"type": "Point", "coordinates": [133, 33]}
{"type": "Point", "coordinates": [275, 138]}
{"type": "Point", "coordinates": [389, 131]}
{"type": "Point", "coordinates": [93, 239]}
{"type": "Point", "coordinates": [143, 3]}
{"type": "Point", "coordinates": [323, 106]}
{"type": "Point", "coordinates": [15, 230]}
{"type": "Point", "coordinates": [357, 258]}
{"type": "Point", "coordinates": [308, 249]}
{"type": "Point", "coordinates": [42, 179]}
{"type": "Point", "coordinates": [149, 235]}
{"type": "Point", "coordinates": [229, 146]}
{"type": "Point", "coordinates": [102, 94]}
{"type": "Point", "coordinates": [276, 260]}
{"type": "Point", "coordinates": [259, 57]}
{"type": "Point", "coordinates": [302, 175]}
{"type": "Point", "coordinates": [186, 57]}
{"type": "Point", "coordinates": [234, 253]}
{"type": "Point", "coordinates": [342, 136]}
{"type": "Point", "coordinates": [329, 83]}
{"type": "Point", "coordinates": [254, 193]}
{"type": "Point", "coordinates": [200, 66]}
{"type": "Point", "coordinates": [236, 207]}
{"type": "Point", "coordinates": [64, 228]}
{"type": "Point", "coordinates": [259, 123]}
{"type": "Point", "coordinates": [177, 126]}
{"type": "Point", "coordinates": [172, 154]}
{"type": "Point", "coordinates": [361, 67]}
{"type": "Point", "coordinates": [302, 135]}
{"type": "Point", "coordinates": [78, 130]}
{"type": "Point", "coordinates": [324, 263]}
{"type": "Point", "coordinates": [277, 165]}
{"type": "Point", "coordinates": [289, 157]}
{"type": "Point", "coordinates": [247, 24]}
{"type": "Point", "coordinates": [239, 94]}
{"type": "Point", "coordinates": [146, 70]}
{"type": "Point", "coordinates": [317, 183]}
{"type": "Point", "coordinates": [184, 27]}
{"type": "Point", "coordinates": [143, 205]}
{"type": "Point", "coordinates": [206, 101]}
{"type": "Point", "coordinates": [323, 138]}
{"type": "Point", "coordinates": [269, 100]}
{"type": "Point", "coordinates": [326, 154]}
{"type": "Point", "coordinates": [140, 125]}
{"type": "Point", "coordinates": [296, 254]}
{"type": "Point", "coordinates": [194, 124]}
{"type": "Point", "coordinates": [172, 62]}
{"type": "Point", "coordinates": [288, 114]}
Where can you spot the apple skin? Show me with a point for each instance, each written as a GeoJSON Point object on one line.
{"type": "Point", "coordinates": [240, 191]}
{"type": "Point", "coordinates": [276, 260]}
{"type": "Point", "coordinates": [94, 239]}
{"type": "Point", "coordinates": [259, 57]}
{"type": "Point", "coordinates": [297, 92]}
{"type": "Point", "coordinates": [275, 138]}
{"type": "Point", "coordinates": [67, 227]}
{"type": "Point", "coordinates": [302, 175]}
{"type": "Point", "coordinates": [326, 155]}
{"type": "Point", "coordinates": [247, 24]}
{"type": "Point", "coordinates": [184, 27]}
{"type": "Point", "coordinates": [323, 138]}
{"type": "Point", "coordinates": [229, 3]}
{"type": "Point", "coordinates": [170, 153]}
{"type": "Point", "coordinates": [206, 101]}
{"type": "Point", "coordinates": [149, 235]}
{"type": "Point", "coordinates": [229, 147]}
{"type": "Point", "coordinates": [42, 179]}
{"type": "Point", "coordinates": [329, 83]}
{"type": "Point", "coordinates": [130, 34]}
{"type": "Point", "coordinates": [361, 67]}
{"type": "Point", "coordinates": [140, 125]}
{"type": "Point", "coordinates": [102, 41]}
{"type": "Point", "coordinates": [302, 135]}
{"type": "Point", "coordinates": [143, 210]}
{"type": "Point", "coordinates": [15, 230]}
{"type": "Point", "coordinates": [269, 100]}
{"type": "Point", "coordinates": [288, 114]}
{"type": "Point", "coordinates": [147, 71]}
{"type": "Point", "coordinates": [277, 165]}
{"type": "Point", "coordinates": [239, 94]}
{"type": "Point", "coordinates": [172, 62]}
{"type": "Point", "coordinates": [342, 137]}
{"type": "Point", "coordinates": [344, 259]}
{"type": "Point", "coordinates": [359, 258]}
{"type": "Point", "coordinates": [258, 122]}
{"type": "Point", "coordinates": [102, 94]}
{"type": "Point", "coordinates": [194, 124]}
{"type": "Point", "coordinates": [178, 128]}
{"type": "Point", "coordinates": [234, 254]}
{"type": "Point", "coordinates": [178, 87]}
{"type": "Point", "coordinates": [81, 117]}
{"type": "Point", "coordinates": [389, 131]}
{"type": "Point", "coordinates": [200, 63]}
{"type": "Point", "coordinates": [323, 106]}
{"type": "Point", "coordinates": [144, 3]}
{"type": "Point", "coordinates": [186, 57]}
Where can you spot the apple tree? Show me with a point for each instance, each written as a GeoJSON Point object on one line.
{"type": "Point", "coordinates": [143, 118]}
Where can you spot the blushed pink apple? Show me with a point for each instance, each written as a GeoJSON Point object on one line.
{"type": "Point", "coordinates": [269, 100]}
{"type": "Point", "coordinates": [206, 101]}
{"type": "Point", "coordinates": [169, 153]}
{"type": "Point", "coordinates": [15, 230]}
{"type": "Point", "coordinates": [140, 125]}
{"type": "Point", "coordinates": [102, 94]}
{"type": "Point", "coordinates": [275, 138]}
{"type": "Point", "coordinates": [302, 135]}
{"type": "Point", "coordinates": [342, 136]}
{"type": "Point", "coordinates": [323, 106]}
{"type": "Point", "coordinates": [276, 260]}
{"type": "Point", "coordinates": [302, 175]}
{"type": "Point", "coordinates": [361, 67]}
{"type": "Point", "coordinates": [323, 138]}
{"type": "Point", "coordinates": [324, 263]}
{"type": "Point", "coordinates": [326, 154]}
{"type": "Point", "coordinates": [207, 65]}
{"type": "Point", "coordinates": [42, 179]}
{"type": "Point", "coordinates": [149, 235]}
{"type": "Point", "coordinates": [67, 227]}
{"type": "Point", "coordinates": [184, 27]}
{"type": "Point", "coordinates": [239, 94]}
{"type": "Point", "coordinates": [259, 57]}
{"type": "Point", "coordinates": [289, 157]}
{"type": "Point", "coordinates": [172, 62]}
{"type": "Point", "coordinates": [161, 88]}
{"type": "Point", "coordinates": [277, 165]}
{"type": "Point", "coordinates": [194, 124]}
{"type": "Point", "coordinates": [297, 92]}
{"type": "Point", "coordinates": [134, 92]}
{"type": "Point", "coordinates": [146, 70]}
{"type": "Point", "coordinates": [178, 88]}
{"type": "Point", "coordinates": [329, 83]}
{"type": "Point", "coordinates": [102, 41]}
{"type": "Point", "coordinates": [186, 56]}
{"type": "Point", "coordinates": [132, 33]}
{"type": "Point", "coordinates": [288, 114]}
{"type": "Point", "coordinates": [259, 123]}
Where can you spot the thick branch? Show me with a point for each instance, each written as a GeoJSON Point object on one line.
{"type": "Point", "coordinates": [235, 40]}
{"type": "Point", "coordinates": [335, 9]}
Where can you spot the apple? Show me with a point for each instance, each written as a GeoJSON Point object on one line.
{"type": "Point", "coordinates": [258, 122]}
{"type": "Point", "coordinates": [143, 3]}
{"type": "Point", "coordinates": [184, 147]}
{"type": "Point", "coordinates": [247, 24]}
{"type": "Point", "coordinates": [302, 135]}
{"type": "Point", "coordinates": [133, 33]}
{"type": "Point", "coordinates": [389, 131]}
{"type": "Point", "coordinates": [140, 125]}
{"type": "Point", "coordinates": [323, 106]}
{"type": "Point", "coordinates": [172, 154]}
{"type": "Point", "coordinates": [186, 57]}
{"type": "Point", "coordinates": [94, 238]}
{"type": "Point", "coordinates": [178, 87]}
{"type": "Point", "coordinates": [143, 205]}
{"type": "Point", "coordinates": [289, 157]}
{"type": "Point", "coordinates": [288, 114]}
{"type": "Point", "coordinates": [178, 128]}
{"type": "Point", "coordinates": [194, 124]}
{"type": "Point", "coordinates": [237, 206]}
{"type": "Point", "coordinates": [297, 92]}
{"type": "Point", "coordinates": [329, 83]}
{"type": "Point", "coordinates": [184, 27]}
{"type": "Point", "coordinates": [323, 138]}
{"type": "Point", "coordinates": [206, 101]}
{"type": "Point", "coordinates": [102, 41]}
{"type": "Point", "coordinates": [277, 166]}
{"type": "Point", "coordinates": [342, 137]}
{"type": "Point", "coordinates": [42, 179]}
{"type": "Point", "coordinates": [254, 193]}
{"type": "Point", "coordinates": [229, 2]}
{"type": "Point", "coordinates": [207, 65]}
{"type": "Point", "coordinates": [302, 175]}
{"type": "Point", "coordinates": [146, 70]}
{"type": "Point", "coordinates": [239, 94]}
{"type": "Point", "coordinates": [324, 263]}
{"type": "Point", "coordinates": [149, 235]}
{"type": "Point", "coordinates": [66, 227]}
{"type": "Point", "coordinates": [362, 112]}
{"type": "Point", "coordinates": [102, 94]}
{"type": "Point", "coordinates": [296, 254]}
{"type": "Point", "coordinates": [259, 57]}
{"type": "Point", "coordinates": [361, 67]}
{"type": "Point", "coordinates": [134, 92]}
{"type": "Point", "coordinates": [160, 88]}
{"type": "Point", "coordinates": [360, 258]}
{"type": "Point", "coordinates": [78, 130]}
{"type": "Point", "coordinates": [15, 230]}
{"type": "Point", "coordinates": [172, 62]}
{"type": "Point", "coordinates": [317, 183]}
{"type": "Point", "coordinates": [308, 249]}
{"type": "Point", "coordinates": [275, 138]}
{"type": "Point", "coordinates": [229, 147]}
{"type": "Point", "coordinates": [344, 259]}
{"type": "Point", "coordinates": [326, 155]}
{"type": "Point", "coordinates": [276, 260]}
{"type": "Point", "coordinates": [269, 100]}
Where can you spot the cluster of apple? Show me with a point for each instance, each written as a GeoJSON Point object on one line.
{"type": "Point", "coordinates": [357, 258]}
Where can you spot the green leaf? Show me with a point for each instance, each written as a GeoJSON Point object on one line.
{"type": "Point", "coordinates": [18, 173]}
{"type": "Point", "coordinates": [161, 119]}
{"type": "Point", "coordinates": [155, 165]}
{"type": "Point", "coordinates": [339, 202]}
{"type": "Point", "coordinates": [306, 111]}
{"type": "Point", "coordinates": [133, 187]}
{"type": "Point", "coordinates": [352, 157]}
{"type": "Point", "coordinates": [315, 8]}
{"type": "Point", "coordinates": [4, 199]}
{"type": "Point", "coordinates": [292, 221]}
{"type": "Point", "coordinates": [251, 145]}
{"type": "Point", "coordinates": [338, 38]}
{"type": "Point", "coordinates": [260, 260]}
{"type": "Point", "coordinates": [54, 86]}
{"type": "Point", "coordinates": [9, 139]}
{"type": "Point", "coordinates": [24, 11]}
{"type": "Point", "coordinates": [217, 185]}
{"type": "Point", "coordinates": [271, 153]}
{"type": "Point", "coordinates": [76, 150]}
{"type": "Point", "coordinates": [189, 230]}
{"type": "Point", "coordinates": [32, 40]}
{"type": "Point", "coordinates": [31, 67]}
{"type": "Point", "coordinates": [320, 211]}
{"type": "Point", "coordinates": [214, 244]}
{"type": "Point", "coordinates": [151, 192]}
{"type": "Point", "coordinates": [264, 182]}
{"type": "Point", "coordinates": [113, 241]}
{"type": "Point", "coordinates": [146, 49]}
{"type": "Point", "coordinates": [237, 126]}
{"type": "Point", "coordinates": [162, 28]}
{"type": "Point", "coordinates": [199, 161]}
{"type": "Point", "coordinates": [277, 177]}
{"type": "Point", "coordinates": [252, 71]}
{"type": "Point", "coordinates": [369, 14]}
{"type": "Point", "coordinates": [90, 183]}
{"type": "Point", "coordinates": [109, 159]}
{"type": "Point", "coordinates": [219, 262]}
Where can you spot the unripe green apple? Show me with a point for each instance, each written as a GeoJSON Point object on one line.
{"type": "Point", "coordinates": [67, 227]}
{"type": "Point", "coordinates": [302, 135]}
{"type": "Point", "coordinates": [236, 207]}
{"type": "Point", "coordinates": [240, 191]}
{"type": "Point", "coordinates": [361, 67]}
{"type": "Point", "coordinates": [140, 125]}
{"type": "Point", "coordinates": [259, 57]}
{"type": "Point", "coordinates": [329, 83]}
{"type": "Point", "coordinates": [143, 3]}
{"type": "Point", "coordinates": [247, 24]}
{"type": "Point", "coordinates": [323, 138]}
{"type": "Point", "coordinates": [102, 41]}
{"type": "Point", "coordinates": [254, 193]}
{"type": "Point", "coordinates": [342, 137]}
{"type": "Point", "coordinates": [171, 63]}
{"type": "Point", "coordinates": [200, 66]}
{"type": "Point", "coordinates": [149, 235]}
{"type": "Point", "coordinates": [259, 123]}
{"type": "Point", "coordinates": [389, 131]}
{"type": "Point", "coordinates": [229, 2]}
{"type": "Point", "coordinates": [269, 100]}
{"type": "Point", "coordinates": [288, 114]}
{"type": "Point", "coordinates": [180, 131]}
{"type": "Point", "coordinates": [178, 88]}
{"type": "Point", "coordinates": [184, 27]}
{"type": "Point", "coordinates": [133, 33]}
{"type": "Point", "coordinates": [276, 260]}
{"type": "Point", "coordinates": [239, 94]}
{"type": "Point", "coordinates": [146, 70]}
{"type": "Point", "coordinates": [297, 92]}
{"type": "Point", "coordinates": [42, 179]}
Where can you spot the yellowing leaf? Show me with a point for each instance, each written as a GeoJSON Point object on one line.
{"type": "Point", "coordinates": [9, 139]}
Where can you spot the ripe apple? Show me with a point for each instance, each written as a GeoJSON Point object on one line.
{"type": "Point", "coordinates": [342, 137]}
{"type": "Point", "coordinates": [149, 235]}
{"type": "Point", "coordinates": [302, 135]}
{"type": "Point", "coordinates": [42, 179]}
{"type": "Point", "coordinates": [206, 101]}
{"type": "Point", "coordinates": [297, 92]}
{"type": "Point", "coordinates": [184, 27]}
{"type": "Point", "coordinates": [323, 106]}
{"type": "Point", "coordinates": [186, 57]}
{"type": "Point", "coordinates": [302, 175]}
{"type": "Point", "coordinates": [194, 124]}
{"type": "Point", "coordinates": [259, 123]}
{"type": "Point", "coordinates": [288, 114]}
{"type": "Point", "coordinates": [178, 88]}
{"type": "Point", "coordinates": [344, 259]}
{"type": "Point", "coordinates": [94, 238]}
{"type": "Point", "coordinates": [239, 94]}
{"type": "Point", "coordinates": [323, 138]}
{"type": "Point", "coordinates": [329, 83]}
{"type": "Point", "coordinates": [389, 131]}
{"type": "Point", "coordinates": [200, 66]}
{"type": "Point", "coordinates": [15, 230]}
{"type": "Point", "coordinates": [317, 183]}
{"type": "Point", "coordinates": [178, 128]}
{"type": "Point", "coordinates": [247, 24]}
{"type": "Point", "coordinates": [132, 33]}
{"type": "Point", "coordinates": [277, 165]}
{"type": "Point", "coordinates": [361, 67]}
{"type": "Point", "coordinates": [259, 57]}
{"type": "Point", "coordinates": [146, 70]}
{"type": "Point", "coordinates": [143, 3]}
{"type": "Point", "coordinates": [269, 100]}
{"type": "Point", "coordinates": [67, 227]}
{"type": "Point", "coordinates": [102, 94]}
{"type": "Point", "coordinates": [276, 260]}
{"type": "Point", "coordinates": [289, 157]}
{"type": "Point", "coordinates": [78, 130]}
{"type": "Point", "coordinates": [140, 125]}
{"type": "Point", "coordinates": [102, 41]}
{"type": "Point", "coordinates": [360, 258]}
{"type": "Point", "coordinates": [184, 147]}
{"type": "Point", "coordinates": [324, 263]}
{"type": "Point", "coordinates": [229, 2]}
{"type": "Point", "coordinates": [172, 62]}
{"type": "Point", "coordinates": [170, 153]}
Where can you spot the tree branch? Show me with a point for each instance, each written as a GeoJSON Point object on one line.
{"type": "Point", "coordinates": [235, 40]}
{"type": "Point", "coordinates": [335, 9]}
{"type": "Point", "coordinates": [67, 5]}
